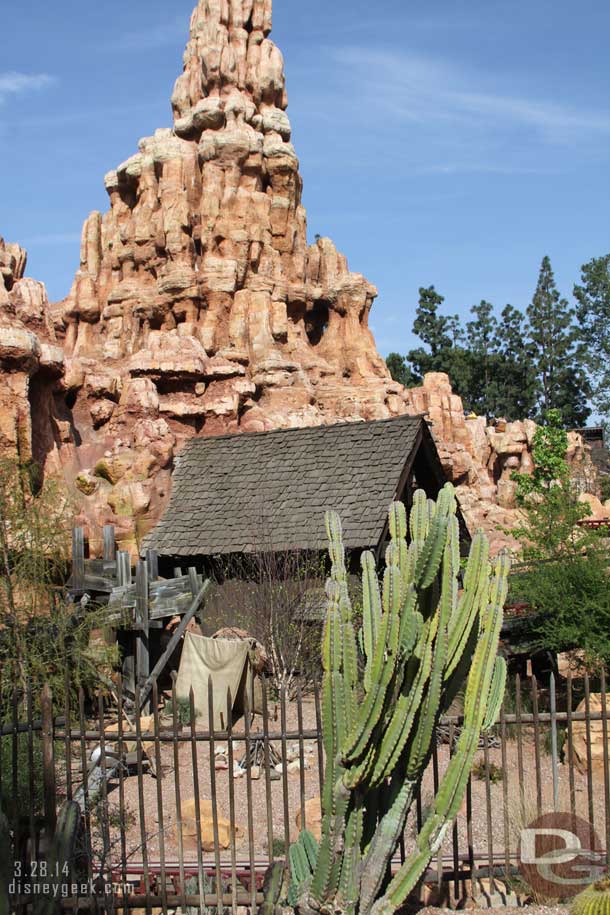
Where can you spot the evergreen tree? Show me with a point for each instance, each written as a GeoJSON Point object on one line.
{"type": "Point", "coordinates": [400, 371]}
{"type": "Point", "coordinates": [514, 370]}
{"type": "Point", "coordinates": [562, 384]}
{"type": "Point", "coordinates": [482, 343]}
{"type": "Point", "coordinates": [593, 312]}
{"type": "Point", "coordinates": [442, 335]}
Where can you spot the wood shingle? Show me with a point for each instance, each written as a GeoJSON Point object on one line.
{"type": "Point", "coordinates": [270, 490]}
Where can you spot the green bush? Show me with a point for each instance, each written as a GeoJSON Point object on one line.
{"type": "Point", "coordinates": [566, 578]}
{"type": "Point", "coordinates": [26, 799]}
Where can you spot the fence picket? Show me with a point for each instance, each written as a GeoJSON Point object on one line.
{"type": "Point", "coordinates": [492, 857]}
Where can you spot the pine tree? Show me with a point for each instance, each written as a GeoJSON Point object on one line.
{"type": "Point", "coordinates": [399, 370]}
{"type": "Point", "coordinates": [515, 373]}
{"type": "Point", "coordinates": [443, 336]}
{"type": "Point", "coordinates": [593, 312]}
{"type": "Point", "coordinates": [562, 384]}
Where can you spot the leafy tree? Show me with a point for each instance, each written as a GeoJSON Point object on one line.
{"type": "Point", "coordinates": [562, 382]}
{"type": "Point", "coordinates": [593, 312]}
{"type": "Point", "coordinates": [43, 639]}
{"type": "Point", "coordinates": [566, 577]}
{"type": "Point", "coordinates": [400, 370]}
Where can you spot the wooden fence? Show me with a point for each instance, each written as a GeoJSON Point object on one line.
{"type": "Point", "coordinates": [177, 815]}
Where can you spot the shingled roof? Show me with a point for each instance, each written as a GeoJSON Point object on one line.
{"type": "Point", "coordinates": [270, 490]}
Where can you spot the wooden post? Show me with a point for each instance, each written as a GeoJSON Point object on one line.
{"type": "Point", "coordinates": [194, 586]}
{"type": "Point", "coordinates": [48, 760]}
{"type": "Point", "coordinates": [142, 632]}
{"type": "Point", "coordinates": [173, 642]}
{"type": "Point", "coordinates": [78, 558]}
{"type": "Point", "coordinates": [109, 543]}
{"type": "Point", "coordinates": [123, 569]}
{"type": "Point", "coordinates": [152, 561]}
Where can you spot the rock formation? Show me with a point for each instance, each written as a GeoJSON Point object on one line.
{"type": "Point", "coordinates": [199, 307]}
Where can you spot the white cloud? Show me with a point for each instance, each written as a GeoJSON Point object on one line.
{"type": "Point", "coordinates": [426, 90]}
{"type": "Point", "coordinates": [14, 83]}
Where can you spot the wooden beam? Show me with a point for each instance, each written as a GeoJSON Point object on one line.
{"type": "Point", "coordinates": [109, 543]}
{"type": "Point", "coordinates": [78, 558]}
{"type": "Point", "coordinates": [123, 569]}
{"type": "Point", "coordinates": [152, 559]}
{"type": "Point", "coordinates": [173, 642]}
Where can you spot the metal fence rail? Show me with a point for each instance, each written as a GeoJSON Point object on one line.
{"type": "Point", "coordinates": [175, 815]}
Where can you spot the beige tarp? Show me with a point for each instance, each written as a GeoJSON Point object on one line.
{"type": "Point", "coordinates": [227, 662]}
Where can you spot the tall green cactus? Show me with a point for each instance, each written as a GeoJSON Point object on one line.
{"type": "Point", "coordinates": [421, 641]}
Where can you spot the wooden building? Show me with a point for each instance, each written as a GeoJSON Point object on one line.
{"type": "Point", "coordinates": [269, 491]}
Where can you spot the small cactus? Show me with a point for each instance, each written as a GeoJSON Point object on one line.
{"type": "Point", "coordinates": [421, 641]}
{"type": "Point", "coordinates": [594, 900]}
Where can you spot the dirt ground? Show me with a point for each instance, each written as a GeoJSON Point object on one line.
{"type": "Point", "coordinates": [489, 803]}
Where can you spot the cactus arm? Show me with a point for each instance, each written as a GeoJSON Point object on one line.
{"type": "Point", "coordinates": [61, 857]}
{"type": "Point", "coordinates": [474, 595]}
{"type": "Point", "coordinates": [398, 731]}
{"type": "Point", "coordinates": [348, 883]}
{"type": "Point", "coordinates": [453, 784]}
{"type": "Point", "coordinates": [430, 557]}
{"type": "Point", "coordinates": [302, 856]}
{"type": "Point", "coordinates": [496, 693]}
{"type": "Point", "coordinates": [418, 519]}
{"type": "Point", "coordinates": [371, 612]}
{"type": "Point", "coordinates": [272, 888]}
{"type": "Point", "coordinates": [369, 713]}
{"type": "Point", "coordinates": [385, 839]}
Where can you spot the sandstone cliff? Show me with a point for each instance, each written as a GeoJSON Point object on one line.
{"type": "Point", "coordinates": [199, 307]}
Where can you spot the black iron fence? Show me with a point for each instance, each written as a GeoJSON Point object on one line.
{"type": "Point", "coordinates": [176, 813]}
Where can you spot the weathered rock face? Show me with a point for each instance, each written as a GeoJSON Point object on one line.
{"type": "Point", "coordinates": [33, 417]}
{"type": "Point", "coordinates": [199, 307]}
{"type": "Point", "coordinates": [481, 459]}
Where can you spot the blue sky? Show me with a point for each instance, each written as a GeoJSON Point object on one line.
{"type": "Point", "coordinates": [445, 142]}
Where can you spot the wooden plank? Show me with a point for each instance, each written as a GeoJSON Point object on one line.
{"type": "Point", "coordinates": [109, 543]}
{"type": "Point", "coordinates": [173, 642]}
{"type": "Point", "coordinates": [152, 560]}
{"type": "Point", "coordinates": [123, 569]}
{"type": "Point", "coordinates": [78, 558]}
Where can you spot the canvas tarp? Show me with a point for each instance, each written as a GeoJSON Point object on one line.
{"type": "Point", "coordinates": [226, 661]}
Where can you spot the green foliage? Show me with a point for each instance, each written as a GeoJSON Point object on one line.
{"type": "Point", "coordinates": [570, 600]}
{"type": "Point", "coordinates": [400, 371]}
{"type": "Point", "coordinates": [43, 639]}
{"type": "Point", "coordinates": [421, 641]}
{"type": "Point", "coordinates": [182, 710]}
{"type": "Point", "coordinates": [566, 581]}
{"type": "Point", "coordinates": [593, 311]}
{"type": "Point", "coordinates": [548, 499]}
{"type": "Point", "coordinates": [549, 449]}
{"type": "Point", "coordinates": [556, 352]}
{"type": "Point", "coordinates": [520, 365]}
{"type": "Point", "coordinates": [496, 773]}
{"type": "Point", "coordinates": [21, 800]}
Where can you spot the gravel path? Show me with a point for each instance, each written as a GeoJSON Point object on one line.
{"type": "Point", "coordinates": [487, 802]}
